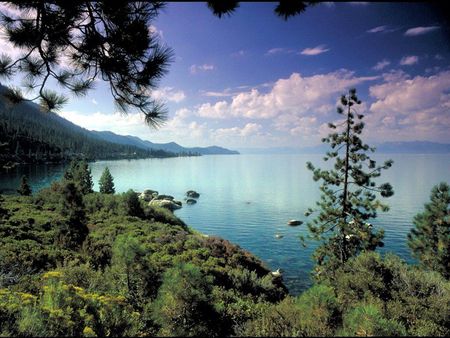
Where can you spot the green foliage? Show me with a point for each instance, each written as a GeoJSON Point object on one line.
{"type": "Point", "coordinates": [319, 311]}
{"type": "Point", "coordinates": [24, 188]}
{"type": "Point", "coordinates": [132, 204]}
{"type": "Point", "coordinates": [28, 135]}
{"type": "Point", "coordinates": [284, 9]}
{"type": "Point", "coordinates": [414, 299]}
{"type": "Point", "coordinates": [280, 320]}
{"type": "Point", "coordinates": [183, 306]}
{"type": "Point", "coordinates": [74, 230]}
{"type": "Point", "coordinates": [106, 182]}
{"type": "Point", "coordinates": [348, 198]}
{"type": "Point", "coordinates": [146, 273]}
{"type": "Point", "coordinates": [368, 320]}
{"type": "Point", "coordinates": [133, 271]}
{"type": "Point", "coordinates": [430, 239]}
{"type": "Point", "coordinates": [79, 173]}
{"type": "Point", "coordinates": [117, 266]}
{"type": "Point", "coordinates": [112, 43]}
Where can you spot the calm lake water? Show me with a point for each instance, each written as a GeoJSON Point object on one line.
{"type": "Point", "coordinates": [247, 199]}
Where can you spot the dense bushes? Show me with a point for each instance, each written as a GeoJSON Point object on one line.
{"type": "Point", "coordinates": [108, 264]}
{"type": "Point", "coordinates": [122, 274]}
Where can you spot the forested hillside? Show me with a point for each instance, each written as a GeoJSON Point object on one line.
{"type": "Point", "coordinates": [28, 135]}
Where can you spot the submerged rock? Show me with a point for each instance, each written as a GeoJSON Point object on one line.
{"type": "Point", "coordinates": [293, 222]}
{"type": "Point", "coordinates": [192, 194]}
{"type": "Point", "coordinates": [190, 201]}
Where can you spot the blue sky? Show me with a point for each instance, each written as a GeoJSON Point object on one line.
{"type": "Point", "coordinates": [255, 80]}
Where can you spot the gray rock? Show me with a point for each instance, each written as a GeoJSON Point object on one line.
{"type": "Point", "coordinates": [164, 197]}
{"type": "Point", "coordinates": [190, 201]}
{"type": "Point", "coordinates": [294, 222]}
{"type": "Point", "coordinates": [168, 204]}
{"type": "Point", "coordinates": [192, 194]}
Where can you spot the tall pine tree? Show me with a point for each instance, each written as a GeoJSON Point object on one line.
{"type": "Point", "coordinates": [24, 188]}
{"type": "Point", "coordinates": [106, 182]}
{"type": "Point", "coordinates": [348, 198]}
{"type": "Point", "coordinates": [79, 173]}
{"type": "Point", "coordinates": [430, 239]}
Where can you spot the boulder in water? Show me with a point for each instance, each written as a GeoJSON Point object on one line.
{"type": "Point", "coordinates": [294, 222]}
{"type": "Point", "coordinates": [190, 201]}
{"type": "Point", "coordinates": [168, 204]}
{"type": "Point", "coordinates": [192, 194]}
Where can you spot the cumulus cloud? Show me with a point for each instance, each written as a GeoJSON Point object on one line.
{"type": "Point", "coordinates": [409, 60]}
{"type": "Point", "coordinates": [315, 51]}
{"type": "Point", "coordinates": [411, 108]}
{"type": "Point", "coordinates": [296, 94]}
{"type": "Point", "coordinates": [168, 94]}
{"type": "Point", "coordinates": [420, 30]}
{"type": "Point", "coordinates": [201, 68]}
{"type": "Point", "coordinates": [381, 65]}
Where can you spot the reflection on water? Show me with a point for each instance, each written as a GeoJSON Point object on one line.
{"type": "Point", "coordinates": [247, 199]}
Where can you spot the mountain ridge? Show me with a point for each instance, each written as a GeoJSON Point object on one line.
{"type": "Point", "coordinates": [170, 146]}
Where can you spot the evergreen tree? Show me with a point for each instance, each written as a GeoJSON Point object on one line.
{"type": "Point", "coordinates": [84, 178]}
{"type": "Point", "coordinates": [106, 182]}
{"type": "Point", "coordinates": [74, 231]}
{"type": "Point", "coordinates": [429, 241]}
{"type": "Point", "coordinates": [112, 43]}
{"type": "Point", "coordinates": [348, 198]}
{"type": "Point", "coordinates": [24, 189]}
{"type": "Point", "coordinates": [79, 173]}
{"type": "Point", "coordinates": [132, 204]}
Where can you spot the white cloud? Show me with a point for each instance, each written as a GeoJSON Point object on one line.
{"type": "Point", "coordinates": [94, 101]}
{"type": "Point", "coordinates": [377, 29]}
{"type": "Point", "coordinates": [275, 51]}
{"type": "Point", "coordinates": [219, 110]}
{"type": "Point", "coordinates": [168, 94]}
{"type": "Point", "coordinates": [411, 108]}
{"type": "Point", "coordinates": [381, 65]}
{"type": "Point", "coordinates": [201, 68]}
{"type": "Point", "coordinates": [420, 30]}
{"type": "Point", "coordinates": [409, 60]}
{"type": "Point", "coordinates": [315, 51]}
{"type": "Point", "coordinates": [295, 95]}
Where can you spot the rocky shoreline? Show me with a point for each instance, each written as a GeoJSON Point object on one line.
{"type": "Point", "coordinates": [167, 201]}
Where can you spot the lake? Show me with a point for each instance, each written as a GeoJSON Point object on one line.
{"type": "Point", "coordinates": [247, 199]}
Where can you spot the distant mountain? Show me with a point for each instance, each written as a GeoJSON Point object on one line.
{"type": "Point", "coordinates": [413, 147]}
{"type": "Point", "coordinates": [171, 146]}
{"type": "Point", "coordinates": [28, 135]}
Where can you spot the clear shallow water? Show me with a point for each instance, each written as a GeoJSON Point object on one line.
{"type": "Point", "coordinates": [248, 198]}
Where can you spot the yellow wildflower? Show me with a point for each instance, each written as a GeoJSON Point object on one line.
{"type": "Point", "coordinates": [88, 332]}
{"type": "Point", "coordinates": [52, 274]}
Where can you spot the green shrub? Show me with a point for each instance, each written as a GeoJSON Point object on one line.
{"type": "Point", "coordinates": [319, 309]}
{"type": "Point", "coordinates": [183, 306]}
{"type": "Point", "coordinates": [368, 320]}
